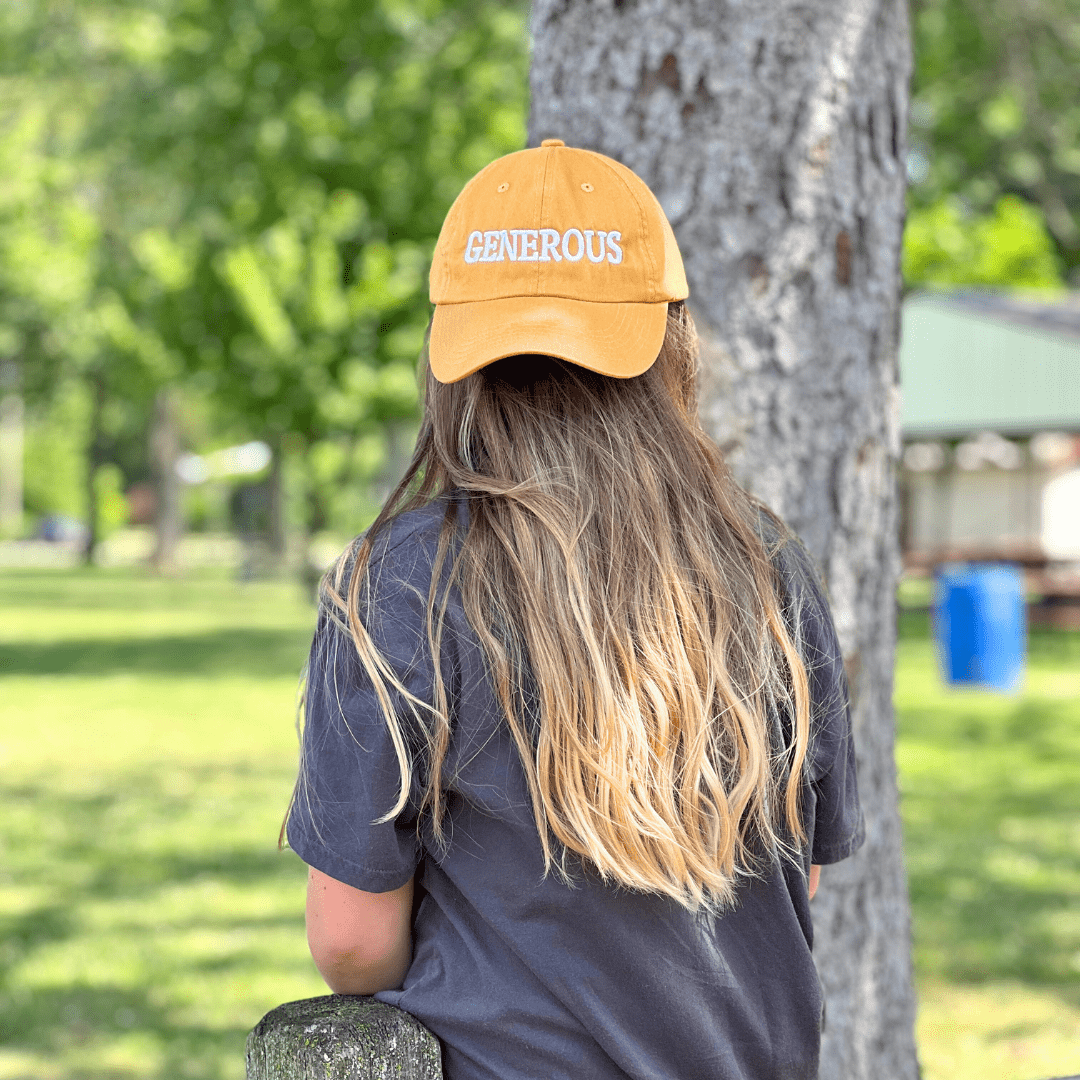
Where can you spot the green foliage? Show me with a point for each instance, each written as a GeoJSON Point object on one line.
{"type": "Point", "coordinates": [995, 109]}
{"type": "Point", "coordinates": [239, 198]}
{"type": "Point", "coordinates": [112, 508]}
{"type": "Point", "coordinates": [55, 462]}
{"type": "Point", "coordinates": [987, 783]}
{"type": "Point", "coordinates": [295, 163]}
{"type": "Point", "coordinates": [48, 238]}
{"type": "Point", "coordinates": [1010, 247]}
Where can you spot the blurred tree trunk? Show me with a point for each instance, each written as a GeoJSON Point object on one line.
{"type": "Point", "coordinates": [277, 536]}
{"type": "Point", "coordinates": [164, 451]}
{"type": "Point", "coordinates": [400, 440]}
{"type": "Point", "coordinates": [95, 458]}
{"type": "Point", "coordinates": [317, 518]}
{"type": "Point", "coordinates": [774, 137]}
{"type": "Point", "coordinates": [11, 450]}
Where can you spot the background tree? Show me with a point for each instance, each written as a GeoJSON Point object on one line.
{"type": "Point", "coordinates": [285, 172]}
{"type": "Point", "coordinates": [946, 244]}
{"type": "Point", "coordinates": [88, 373]}
{"type": "Point", "coordinates": [265, 182]}
{"type": "Point", "coordinates": [995, 113]}
{"type": "Point", "coordinates": [774, 136]}
{"type": "Point", "coordinates": [49, 247]}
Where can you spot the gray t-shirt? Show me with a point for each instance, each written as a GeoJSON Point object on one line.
{"type": "Point", "coordinates": [520, 976]}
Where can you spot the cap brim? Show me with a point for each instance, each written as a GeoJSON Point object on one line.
{"type": "Point", "coordinates": [621, 340]}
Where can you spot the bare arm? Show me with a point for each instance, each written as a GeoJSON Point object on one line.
{"type": "Point", "coordinates": [815, 877]}
{"type": "Point", "coordinates": [361, 942]}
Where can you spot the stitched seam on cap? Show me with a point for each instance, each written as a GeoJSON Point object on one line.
{"type": "Point", "coordinates": [654, 278]}
{"type": "Point", "coordinates": [540, 216]}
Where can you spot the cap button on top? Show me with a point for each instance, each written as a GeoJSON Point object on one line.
{"type": "Point", "coordinates": [553, 142]}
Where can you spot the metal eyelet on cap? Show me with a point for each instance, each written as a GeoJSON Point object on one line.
{"type": "Point", "coordinates": [586, 186]}
{"type": "Point", "coordinates": [503, 186]}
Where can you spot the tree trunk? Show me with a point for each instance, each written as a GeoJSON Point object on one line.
{"type": "Point", "coordinates": [95, 458]}
{"type": "Point", "coordinates": [773, 135]}
{"type": "Point", "coordinates": [317, 519]}
{"type": "Point", "coordinates": [11, 450]}
{"type": "Point", "coordinates": [277, 536]}
{"type": "Point", "coordinates": [164, 451]}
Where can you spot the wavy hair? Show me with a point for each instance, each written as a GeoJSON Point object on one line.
{"type": "Point", "coordinates": [621, 586]}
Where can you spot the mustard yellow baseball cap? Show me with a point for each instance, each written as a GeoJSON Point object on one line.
{"type": "Point", "coordinates": [556, 251]}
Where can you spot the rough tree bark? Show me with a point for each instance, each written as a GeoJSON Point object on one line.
{"type": "Point", "coordinates": [773, 134]}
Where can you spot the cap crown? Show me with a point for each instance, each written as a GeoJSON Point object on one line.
{"type": "Point", "coordinates": [556, 221]}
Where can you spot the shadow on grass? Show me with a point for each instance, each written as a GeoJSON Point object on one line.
{"type": "Point", "coordinates": [90, 831]}
{"type": "Point", "coordinates": [250, 652]}
{"type": "Point", "coordinates": [987, 909]}
{"type": "Point", "coordinates": [989, 802]}
{"type": "Point", "coordinates": [83, 1014]}
{"type": "Point", "coordinates": [97, 589]}
{"type": "Point", "coordinates": [143, 896]}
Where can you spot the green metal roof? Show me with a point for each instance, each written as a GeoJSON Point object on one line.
{"type": "Point", "coordinates": [989, 363]}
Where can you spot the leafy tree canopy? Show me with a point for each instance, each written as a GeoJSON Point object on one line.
{"type": "Point", "coordinates": [240, 198]}
{"type": "Point", "coordinates": [995, 112]}
{"type": "Point", "coordinates": [285, 168]}
{"type": "Point", "coordinates": [943, 245]}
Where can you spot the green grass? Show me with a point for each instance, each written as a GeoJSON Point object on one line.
{"type": "Point", "coordinates": [146, 755]}
{"type": "Point", "coordinates": [990, 796]}
{"type": "Point", "coordinates": [147, 749]}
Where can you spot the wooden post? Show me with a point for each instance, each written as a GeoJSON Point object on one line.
{"type": "Point", "coordinates": [341, 1038]}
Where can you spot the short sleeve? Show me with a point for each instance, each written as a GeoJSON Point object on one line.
{"type": "Point", "coordinates": [350, 776]}
{"type": "Point", "coordinates": [834, 816]}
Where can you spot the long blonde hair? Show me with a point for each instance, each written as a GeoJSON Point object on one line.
{"type": "Point", "coordinates": [612, 564]}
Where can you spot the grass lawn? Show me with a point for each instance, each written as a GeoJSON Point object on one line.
{"type": "Point", "coordinates": [990, 789]}
{"type": "Point", "coordinates": [148, 751]}
{"type": "Point", "coordinates": [147, 920]}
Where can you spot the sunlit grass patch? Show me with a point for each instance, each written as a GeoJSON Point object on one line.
{"type": "Point", "coordinates": [991, 812]}
{"type": "Point", "coordinates": [161, 921]}
{"type": "Point", "coordinates": [1004, 1030]}
{"type": "Point", "coordinates": [147, 920]}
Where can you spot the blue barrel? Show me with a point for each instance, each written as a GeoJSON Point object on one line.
{"type": "Point", "coordinates": [980, 622]}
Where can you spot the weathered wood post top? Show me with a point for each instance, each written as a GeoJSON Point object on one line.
{"type": "Point", "coordinates": [341, 1038]}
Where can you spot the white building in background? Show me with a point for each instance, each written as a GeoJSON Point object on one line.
{"type": "Point", "coordinates": [1060, 531]}
{"type": "Point", "coordinates": [991, 426]}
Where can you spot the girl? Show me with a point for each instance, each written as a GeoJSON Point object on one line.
{"type": "Point", "coordinates": [576, 735]}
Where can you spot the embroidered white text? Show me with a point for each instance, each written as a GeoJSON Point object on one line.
{"type": "Point", "coordinates": [544, 245]}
